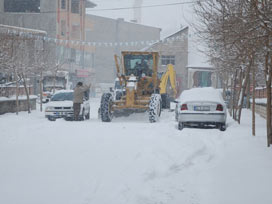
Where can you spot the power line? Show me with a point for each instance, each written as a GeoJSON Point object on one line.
{"type": "Point", "coordinates": [149, 6]}
{"type": "Point", "coordinates": [124, 8]}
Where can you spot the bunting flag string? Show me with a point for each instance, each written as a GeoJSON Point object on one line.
{"type": "Point", "coordinates": [66, 42]}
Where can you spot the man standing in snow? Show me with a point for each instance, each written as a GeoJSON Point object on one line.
{"type": "Point", "coordinates": [78, 98]}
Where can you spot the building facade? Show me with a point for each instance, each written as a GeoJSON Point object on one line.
{"type": "Point", "coordinates": [63, 20]}
{"type": "Point", "coordinates": [174, 50]}
{"type": "Point", "coordinates": [118, 36]}
{"type": "Point", "coordinates": [34, 14]}
{"type": "Point", "coordinates": [66, 21]}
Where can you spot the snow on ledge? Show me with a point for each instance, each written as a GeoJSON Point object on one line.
{"type": "Point", "coordinates": [13, 98]}
{"type": "Point", "coordinates": [260, 101]}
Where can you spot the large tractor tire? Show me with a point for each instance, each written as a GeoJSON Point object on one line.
{"type": "Point", "coordinates": [154, 108]}
{"type": "Point", "coordinates": [118, 95]}
{"type": "Point", "coordinates": [106, 112]}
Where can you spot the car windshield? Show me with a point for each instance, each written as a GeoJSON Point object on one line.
{"type": "Point", "coordinates": [69, 96]}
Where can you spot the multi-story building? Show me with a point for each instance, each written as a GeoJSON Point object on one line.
{"type": "Point", "coordinates": [61, 19]}
{"type": "Point", "coordinates": [66, 21]}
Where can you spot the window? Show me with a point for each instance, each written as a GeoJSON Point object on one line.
{"type": "Point", "coordinates": [78, 57]}
{"type": "Point", "coordinates": [88, 59]}
{"type": "Point", "coordinates": [202, 79]}
{"type": "Point", "coordinates": [75, 6]}
{"type": "Point", "coordinates": [63, 4]}
{"type": "Point", "coordinates": [167, 59]}
{"type": "Point", "coordinates": [138, 64]}
{"type": "Point", "coordinates": [62, 53]}
{"type": "Point", "coordinates": [73, 55]}
{"type": "Point", "coordinates": [26, 6]}
{"type": "Point", "coordinates": [63, 27]}
{"type": "Point", "coordinates": [75, 31]}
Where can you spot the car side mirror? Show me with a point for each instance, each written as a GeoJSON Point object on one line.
{"type": "Point", "coordinates": [47, 100]}
{"type": "Point", "coordinates": [175, 101]}
{"type": "Point", "coordinates": [111, 89]}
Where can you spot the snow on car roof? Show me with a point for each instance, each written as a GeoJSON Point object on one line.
{"type": "Point", "coordinates": [201, 94]}
{"type": "Point", "coordinates": [64, 91]}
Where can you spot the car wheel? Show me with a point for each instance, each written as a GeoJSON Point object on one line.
{"type": "Point", "coordinates": [180, 125]}
{"type": "Point", "coordinates": [87, 116]}
{"type": "Point", "coordinates": [51, 119]}
{"type": "Point", "coordinates": [83, 115]}
{"type": "Point", "coordinates": [222, 127]}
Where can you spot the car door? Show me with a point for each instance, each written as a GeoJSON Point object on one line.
{"type": "Point", "coordinates": [86, 105]}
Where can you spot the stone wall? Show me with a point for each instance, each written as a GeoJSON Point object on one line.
{"type": "Point", "coordinates": [9, 105]}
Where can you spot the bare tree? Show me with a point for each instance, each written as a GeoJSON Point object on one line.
{"type": "Point", "coordinates": [17, 54]}
{"type": "Point", "coordinates": [238, 35]}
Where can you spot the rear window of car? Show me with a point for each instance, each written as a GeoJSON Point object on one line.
{"type": "Point", "coordinates": [69, 96]}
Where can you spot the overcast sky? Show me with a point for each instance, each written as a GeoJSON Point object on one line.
{"type": "Point", "coordinates": [169, 18]}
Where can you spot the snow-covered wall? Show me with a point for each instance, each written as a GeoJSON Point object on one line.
{"type": "Point", "coordinates": [8, 105]}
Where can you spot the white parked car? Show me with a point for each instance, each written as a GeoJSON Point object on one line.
{"type": "Point", "coordinates": [61, 106]}
{"type": "Point", "coordinates": [201, 107]}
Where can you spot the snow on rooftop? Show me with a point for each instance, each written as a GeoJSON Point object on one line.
{"type": "Point", "coordinates": [33, 31]}
{"type": "Point", "coordinates": [12, 98]}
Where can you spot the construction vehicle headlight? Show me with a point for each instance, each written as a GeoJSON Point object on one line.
{"type": "Point", "coordinates": [131, 85]}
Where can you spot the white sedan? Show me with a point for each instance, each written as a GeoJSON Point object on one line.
{"type": "Point", "coordinates": [201, 107]}
{"type": "Point", "coordinates": [61, 106]}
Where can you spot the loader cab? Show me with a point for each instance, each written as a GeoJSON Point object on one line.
{"type": "Point", "coordinates": [138, 64]}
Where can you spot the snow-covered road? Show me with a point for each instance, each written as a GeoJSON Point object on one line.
{"type": "Point", "coordinates": [131, 161]}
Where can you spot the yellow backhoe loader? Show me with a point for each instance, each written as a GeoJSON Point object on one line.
{"type": "Point", "coordinates": [138, 75]}
{"type": "Point", "coordinates": [167, 86]}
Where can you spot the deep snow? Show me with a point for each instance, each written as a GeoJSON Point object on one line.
{"type": "Point", "coordinates": [131, 161]}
